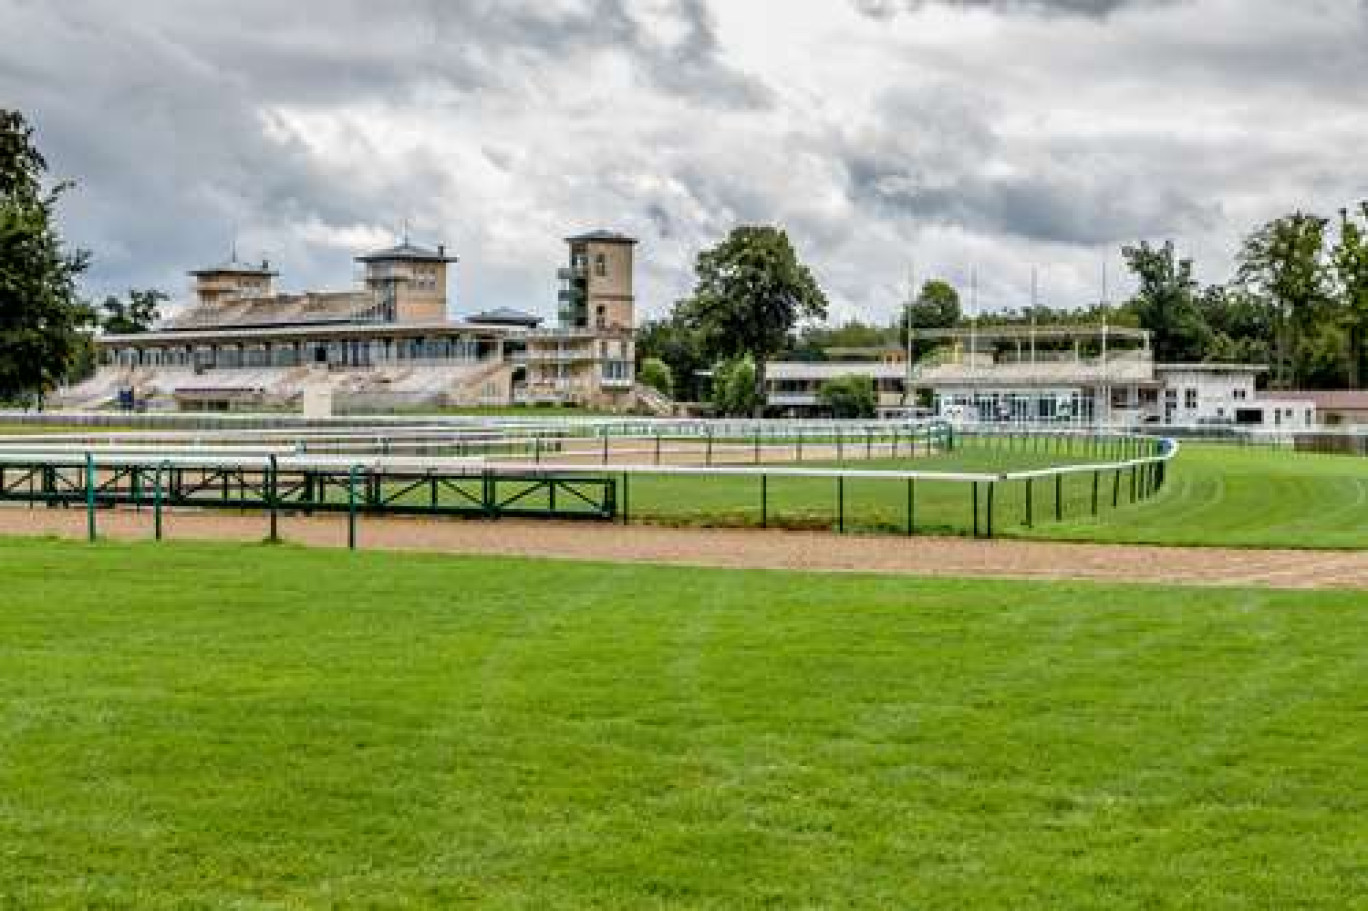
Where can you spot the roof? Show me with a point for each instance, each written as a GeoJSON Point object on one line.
{"type": "Point", "coordinates": [1324, 400]}
{"type": "Point", "coordinates": [277, 310]}
{"type": "Point", "coordinates": [506, 316]}
{"type": "Point", "coordinates": [825, 370]}
{"type": "Point", "coordinates": [409, 252]}
{"type": "Point", "coordinates": [1212, 368]}
{"type": "Point", "coordinates": [233, 266]}
{"type": "Point", "coordinates": [602, 237]}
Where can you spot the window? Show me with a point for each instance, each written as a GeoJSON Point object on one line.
{"type": "Point", "coordinates": [600, 265]}
{"type": "Point", "coordinates": [1241, 394]}
{"type": "Point", "coordinates": [1190, 399]}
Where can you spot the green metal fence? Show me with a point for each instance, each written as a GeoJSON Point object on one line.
{"type": "Point", "coordinates": [974, 484]}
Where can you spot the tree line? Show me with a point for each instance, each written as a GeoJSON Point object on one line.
{"type": "Point", "coordinates": [1296, 303]}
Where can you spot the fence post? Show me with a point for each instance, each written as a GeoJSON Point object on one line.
{"type": "Point", "coordinates": [90, 496]}
{"type": "Point", "coordinates": [840, 504]}
{"type": "Point", "coordinates": [764, 501]}
{"type": "Point", "coordinates": [271, 497]}
{"type": "Point", "coordinates": [626, 500]}
{"type": "Point", "coordinates": [992, 488]}
{"type": "Point", "coordinates": [757, 446]}
{"type": "Point", "coordinates": [351, 506]}
{"type": "Point", "coordinates": [1059, 498]}
{"type": "Point", "coordinates": [605, 446]}
{"type": "Point", "coordinates": [911, 506]}
{"type": "Point", "coordinates": [1097, 479]}
{"type": "Point", "coordinates": [657, 447]}
{"type": "Point", "coordinates": [709, 444]}
{"type": "Point", "coordinates": [157, 500]}
{"type": "Point", "coordinates": [974, 485]}
{"type": "Point", "coordinates": [1030, 483]}
{"type": "Point", "coordinates": [1116, 488]}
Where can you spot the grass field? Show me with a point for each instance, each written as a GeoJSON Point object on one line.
{"type": "Point", "coordinates": [1222, 495]}
{"type": "Point", "coordinates": [256, 727]}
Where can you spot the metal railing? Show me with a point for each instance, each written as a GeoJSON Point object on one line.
{"type": "Point", "coordinates": [1083, 475]}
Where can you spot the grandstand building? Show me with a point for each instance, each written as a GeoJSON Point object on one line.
{"type": "Point", "coordinates": [389, 343]}
{"type": "Point", "coordinates": [1081, 375]}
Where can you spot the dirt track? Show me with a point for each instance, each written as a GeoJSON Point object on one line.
{"type": "Point", "coordinates": [740, 548]}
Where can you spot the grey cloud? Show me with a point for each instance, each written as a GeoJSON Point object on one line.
{"type": "Point", "coordinates": [887, 9]}
{"type": "Point", "coordinates": [518, 120]}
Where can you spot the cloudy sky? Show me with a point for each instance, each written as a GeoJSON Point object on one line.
{"type": "Point", "coordinates": [951, 134]}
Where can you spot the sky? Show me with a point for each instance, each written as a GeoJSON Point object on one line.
{"type": "Point", "coordinates": [890, 138]}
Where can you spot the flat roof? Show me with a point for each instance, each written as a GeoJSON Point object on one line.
{"type": "Point", "coordinates": [1038, 332]}
{"type": "Point", "coordinates": [409, 252]}
{"type": "Point", "coordinates": [182, 336]}
{"type": "Point", "coordinates": [1212, 368]}
{"type": "Point", "coordinates": [601, 236]}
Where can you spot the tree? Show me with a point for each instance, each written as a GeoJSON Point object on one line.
{"type": "Point", "coordinates": [752, 291]}
{"type": "Point", "coordinates": [656, 373]}
{"type": "Point", "coordinates": [937, 306]}
{"type": "Point", "coordinates": [1350, 258]}
{"type": "Point", "coordinates": [138, 314]}
{"type": "Point", "coordinates": [1240, 325]}
{"type": "Point", "coordinates": [41, 317]}
{"type": "Point", "coordinates": [680, 347]}
{"type": "Point", "coordinates": [850, 396]}
{"type": "Point", "coordinates": [734, 389]}
{"type": "Point", "coordinates": [1284, 261]}
{"type": "Point", "coordinates": [1165, 302]}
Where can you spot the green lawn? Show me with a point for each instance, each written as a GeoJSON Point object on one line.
{"type": "Point", "coordinates": [1243, 498]}
{"type": "Point", "coordinates": [254, 727]}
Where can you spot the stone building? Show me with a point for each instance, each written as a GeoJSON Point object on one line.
{"type": "Point", "coordinates": [389, 343]}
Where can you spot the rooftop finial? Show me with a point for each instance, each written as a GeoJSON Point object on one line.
{"type": "Point", "coordinates": [404, 232]}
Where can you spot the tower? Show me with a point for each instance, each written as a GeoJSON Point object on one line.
{"type": "Point", "coordinates": [596, 288]}
{"type": "Point", "coordinates": [231, 280]}
{"type": "Point", "coordinates": [411, 282]}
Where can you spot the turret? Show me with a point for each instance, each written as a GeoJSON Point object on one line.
{"type": "Point", "coordinates": [596, 288]}
{"type": "Point", "coordinates": [233, 279]}
{"type": "Point", "coordinates": [410, 280]}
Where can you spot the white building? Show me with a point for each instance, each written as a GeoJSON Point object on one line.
{"type": "Point", "coordinates": [1071, 374]}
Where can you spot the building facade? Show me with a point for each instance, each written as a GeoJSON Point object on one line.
{"type": "Point", "coordinates": [389, 343]}
{"type": "Point", "coordinates": [1070, 374]}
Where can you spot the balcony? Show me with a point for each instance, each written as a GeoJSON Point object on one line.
{"type": "Point", "coordinates": [559, 355]}
{"type": "Point", "coordinates": [571, 273]}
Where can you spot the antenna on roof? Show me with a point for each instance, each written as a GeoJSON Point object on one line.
{"type": "Point", "coordinates": [907, 315]}
{"type": "Point", "coordinates": [973, 318]}
{"type": "Point", "coordinates": [404, 229]}
{"type": "Point", "coordinates": [1035, 302]}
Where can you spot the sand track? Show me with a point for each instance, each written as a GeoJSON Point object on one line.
{"type": "Point", "coordinates": [816, 551]}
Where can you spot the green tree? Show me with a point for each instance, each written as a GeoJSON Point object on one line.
{"type": "Point", "coordinates": [848, 397]}
{"type": "Point", "coordinates": [680, 347]}
{"type": "Point", "coordinates": [138, 314]}
{"type": "Point", "coordinates": [656, 373]}
{"type": "Point", "coordinates": [734, 388]}
{"type": "Point", "coordinates": [1285, 262]}
{"type": "Point", "coordinates": [752, 291]}
{"type": "Point", "coordinates": [1240, 324]}
{"type": "Point", "coordinates": [1165, 302]}
{"type": "Point", "coordinates": [41, 317]}
{"type": "Point", "coordinates": [1350, 258]}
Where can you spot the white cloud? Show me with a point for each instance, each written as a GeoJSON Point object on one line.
{"type": "Point", "coordinates": [995, 134]}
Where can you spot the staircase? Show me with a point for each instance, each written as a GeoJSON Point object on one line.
{"type": "Point", "coordinates": [653, 400]}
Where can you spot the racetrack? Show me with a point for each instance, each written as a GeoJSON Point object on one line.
{"type": "Point", "coordinates": [819, 551]}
